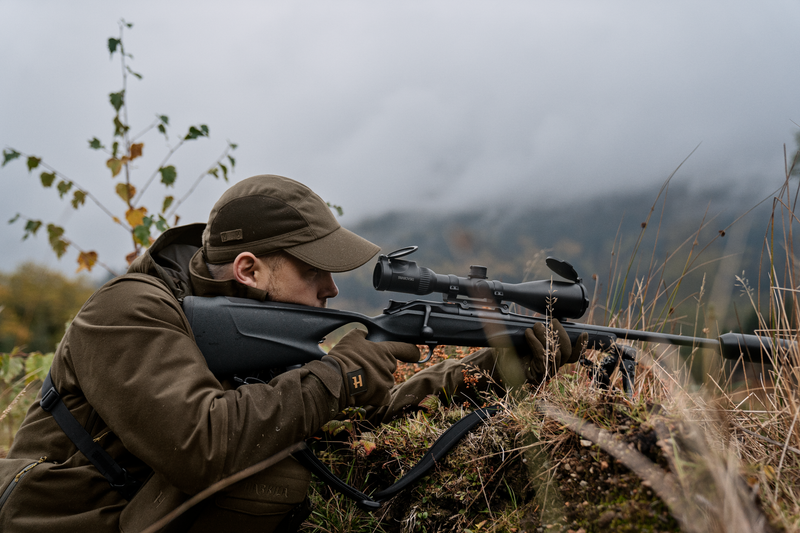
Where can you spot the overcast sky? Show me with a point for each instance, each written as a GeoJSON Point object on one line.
{"type": "Point", "coordinates": [398, 105]}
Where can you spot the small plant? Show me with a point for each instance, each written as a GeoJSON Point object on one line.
{"type": "Point", "coordinates": [125, 147]}
{"type": "Point", "coordinates": [20, 378]}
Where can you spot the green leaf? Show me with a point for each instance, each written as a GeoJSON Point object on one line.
{"type": "Point", "coordinates": [161, 224]}
{"type": "Point", "coordinates": [58, 244]}
{"type": "Point", "coordinates": [338, 208]}
{"type": "Point", "coordinates": [119, 127]}
{"type": "Point", "coordinates": [63, 188]}
{"type": "Point", "coordinates": [194, 133]}
{"type": "Point", "coordinates": [214, 172]}
{"type": "Point", "coordinates": [117, 100]}
{"type": "Point", "coordinates": [31, 227]}
{"type": "Point", "coordinates": [162, 129]}
{"type": "Point", "coordinates": [233, 162]}
{"type": "Point", "coordinates": [33, 162]}
{"type": "Point", "coordinates": [114, 149]}
{"type": "Point", "coordinates": [141, 234]}
{"type": "Point", "coordinates": [167, 202]}
{"type": "Point", "coordinates": [224, 171]}
{"type": "Point", "coordinates": [112, 45]}
{"type": "Point", "coordinates": [168, 175]}
{"type": "Point", "coordinates": [164, 119]}
{"type": "Point", "coordinates": [37, 365]}
{"type": "Point", "coordinates": [78, 198]}
{"type": "Point", "coordinates": [95, 144]}
{"type": "Point", "coordinates": [14, 218]}
{"type": "Point", "coordinates": [9, 155]}
{"type": "Point", "coordinates": [11, 366]}
{"type": "Point", "coordinates": [234, 146]}
{"type": "Point", "coordinates": [48, 178]}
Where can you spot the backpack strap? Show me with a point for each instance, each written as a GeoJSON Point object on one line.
{"type": "Point", "coordinates": [440, 448]}
{"type": "Point", "coordinates": [117, 476]}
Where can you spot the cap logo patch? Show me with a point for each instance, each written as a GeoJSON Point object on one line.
{"type": "Point", "coordinates": [356, 381]}
{"type": "Point", "coordinates": [233, 235]}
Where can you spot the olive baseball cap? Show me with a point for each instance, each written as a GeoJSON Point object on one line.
{"type": "Point", "coordinates": [268, 213]}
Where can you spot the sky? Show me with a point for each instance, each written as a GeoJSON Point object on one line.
{"type": "Point", "coordinates": [390, 105]}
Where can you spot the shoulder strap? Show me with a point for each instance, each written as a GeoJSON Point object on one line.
{"type": "Point", "coordinates": [440, 448]}
{"type": "Point", "coordinates": [116, 475]}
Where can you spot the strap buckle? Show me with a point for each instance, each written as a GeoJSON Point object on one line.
{"type": "Point", "coordinates": [49, 399]}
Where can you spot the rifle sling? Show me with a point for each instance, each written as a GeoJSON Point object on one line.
{"type": "Point", "coordinates": [437, 451]}
{"type": "Point", "coordinates": [117, 476]}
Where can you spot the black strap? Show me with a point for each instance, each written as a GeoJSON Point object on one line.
{"type": "Point", "coordinates": [440, 448]}
{"type": "Point", "coordinates": [116, 475]}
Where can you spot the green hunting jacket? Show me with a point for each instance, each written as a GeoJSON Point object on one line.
{"type": "Point", "coordinates": [130, 372]}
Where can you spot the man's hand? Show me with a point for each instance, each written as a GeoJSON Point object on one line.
{"type": "Point", "coordinates": [544, 364]}
{"type": "Point", "coordinates": [368, 367]}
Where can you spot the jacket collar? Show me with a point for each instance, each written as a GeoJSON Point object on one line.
{"type": "Point", "coordinates": [176, 258]}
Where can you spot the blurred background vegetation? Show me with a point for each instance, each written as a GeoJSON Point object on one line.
{"type": "Point", "coordinates": [36, 304]}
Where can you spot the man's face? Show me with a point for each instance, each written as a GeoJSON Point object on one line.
{"type": "Point", "coordinates": [295, 281]}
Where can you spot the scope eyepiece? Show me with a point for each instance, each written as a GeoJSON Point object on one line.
{"type": "Point", "coordinates": [557, 298]}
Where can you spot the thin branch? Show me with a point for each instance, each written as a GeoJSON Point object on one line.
{"type": "Point", "coordinates": [197, 182]}
{"type": "Point", "coordinates": [88, 194]}
{"type": "Point", "coordinates": [138, 197]}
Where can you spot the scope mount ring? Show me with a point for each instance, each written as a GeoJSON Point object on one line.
{"type": "Point", "coordinates": [402, 252]}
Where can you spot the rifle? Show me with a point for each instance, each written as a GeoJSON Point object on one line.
{"type": "Point", "coordinates": [239, 336]}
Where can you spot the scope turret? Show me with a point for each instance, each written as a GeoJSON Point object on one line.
{"type": "Point", "coordinates": [558, 298]}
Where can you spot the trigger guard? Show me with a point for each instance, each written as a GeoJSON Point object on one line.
{"type": "Point", "coordinates": [430, 354]}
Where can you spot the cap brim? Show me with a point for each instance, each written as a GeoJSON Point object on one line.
{"type": "Point", "coordinates": [339, 251]}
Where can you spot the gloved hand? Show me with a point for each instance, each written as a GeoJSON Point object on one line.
{"type": "Point", "coordinates": [543, 365]}
{"type": "Point", "coordinates": [368, 367]}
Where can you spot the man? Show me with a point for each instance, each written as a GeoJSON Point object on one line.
{"type": "Point", "coordinates": [128, 370]}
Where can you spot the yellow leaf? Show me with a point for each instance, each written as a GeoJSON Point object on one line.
{"type": "Point", "coordinates": [135, 216]}
{"type": "Point", "coordinates": [115, 165]}
{"type": "Point", "coordinates": [86, 260]}
{"type": "Point", "coordinates": [136, 150]}
{"type": "Point", "coordinates": [126, 191]}
{"type": "Point", "coordinates": [115, 219]}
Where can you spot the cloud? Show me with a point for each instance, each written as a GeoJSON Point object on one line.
{"type": "Point", "coordinates": [401, 105]}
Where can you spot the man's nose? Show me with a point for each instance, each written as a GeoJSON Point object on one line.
{"type": "Point", "coordinates": [329, 288]}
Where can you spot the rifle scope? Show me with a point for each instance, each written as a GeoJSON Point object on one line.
{"type": "Point", "coordinates": [558, 298]}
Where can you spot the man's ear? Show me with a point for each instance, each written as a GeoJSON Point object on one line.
{"type": "Point", "coordinates": [246, 269]}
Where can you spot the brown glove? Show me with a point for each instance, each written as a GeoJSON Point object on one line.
{"type": "Point", "coordinates": [368, 367]}
{"type": "Point", "coordinates": [544, 365]}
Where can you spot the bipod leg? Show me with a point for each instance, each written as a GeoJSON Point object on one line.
{"type": "Point", "coordinates": [627, 367]}
{"type": "Point", "coordinates": [616, 353]}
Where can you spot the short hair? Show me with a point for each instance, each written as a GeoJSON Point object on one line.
{"type": "Point", "coordinates": [224, 271]}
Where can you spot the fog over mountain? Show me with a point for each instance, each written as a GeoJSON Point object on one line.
{"type": "Point", "coordinates": [400, 106]}
{"type": "Point", "coordinates": [714, 234]}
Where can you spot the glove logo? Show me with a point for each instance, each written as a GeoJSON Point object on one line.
{"type": "Point", "coordinates": [355, 380]}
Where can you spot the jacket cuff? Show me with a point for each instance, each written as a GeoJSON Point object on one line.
{"type": "Point", "coordinates": [328, 371]}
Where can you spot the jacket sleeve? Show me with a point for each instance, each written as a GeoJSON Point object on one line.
{"type": "Point", "coordinates": [131, 353]}
{"type": "Point", "coordinates": [446, 381]}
